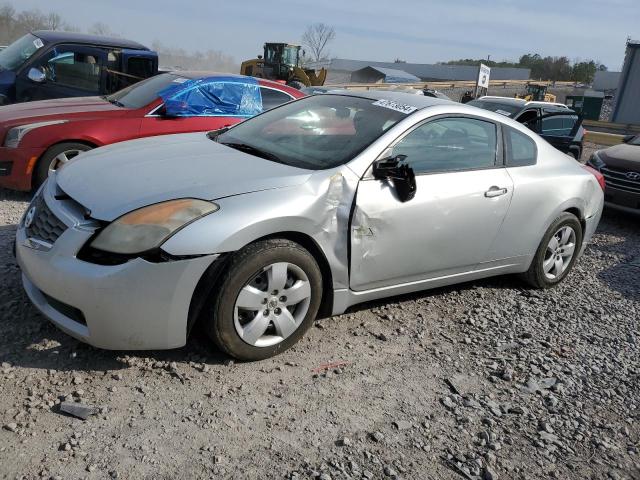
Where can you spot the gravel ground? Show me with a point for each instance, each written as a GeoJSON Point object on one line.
{"type": "Point", "coordinates": [483, 380]}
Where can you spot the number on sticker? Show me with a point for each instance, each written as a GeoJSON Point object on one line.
{"type": "Point", "coordinates": [398, 107]}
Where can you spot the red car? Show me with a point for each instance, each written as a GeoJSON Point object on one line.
{"type": "Point", "coordinates": [39, 137]}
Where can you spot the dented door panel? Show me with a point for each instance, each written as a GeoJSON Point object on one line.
{"type": "Point", "coordinates": [448, 228]}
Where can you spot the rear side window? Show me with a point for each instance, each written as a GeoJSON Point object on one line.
{"type": "Point", "coordinates": [521, 149]}
{"type": "Point", "coordinates": [559, 126]}
{"type": "Point", "coordinates": [272, 98]}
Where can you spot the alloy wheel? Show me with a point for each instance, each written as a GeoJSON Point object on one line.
{"type": "Point", "coordinates": [559, 253]}
{"type": "Point", "coordinates": [272, 305]}
{"type": "Point", "coordinates": [62, 158]}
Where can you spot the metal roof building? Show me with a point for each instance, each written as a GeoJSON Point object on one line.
{"type": "Point", "coordinates": [606, 80]}
{"type": "Point", "coordinates": [340, 70]}
{"type": "Point", "coordinates": [627, 104]}
{"type": "Point", "coordinates": [382, 75]}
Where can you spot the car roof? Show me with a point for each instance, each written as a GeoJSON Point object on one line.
{"type": "Point", "coordinates": [51, 36]}
{"type": "Point", "coordinates": [410, 99]}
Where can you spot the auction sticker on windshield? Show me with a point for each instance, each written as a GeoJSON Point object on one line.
{"type": "Point", "coordinates": [398, 107]}
{"type": "Point", "coordinates": [38, 43]}
{"type": "Point", "coordinates": [502, 112]}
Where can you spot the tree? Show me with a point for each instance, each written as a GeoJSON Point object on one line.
{"type": "Point", "coordinates": [100, 28]}
{"type": "Point", "coordinates": [316, 37]}
{"type": "Point", "coordinates": [54, 22]}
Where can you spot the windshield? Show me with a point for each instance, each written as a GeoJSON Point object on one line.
{"type": "Point", "coordinates": [290, 56]}
{"type": "Point", "coordinates": [506, 109]}
{"type": "Point", "coordinates": [16, 54]}
{"type": "Point", "coordinates": [143, 93]}
{"type": "Point", "coordinates": [635, 141]}
{"type": "Point", "coordinates": [318, 132]}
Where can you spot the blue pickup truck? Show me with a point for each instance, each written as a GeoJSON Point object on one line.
{"type": "Point", "coordinates": [51, 64]}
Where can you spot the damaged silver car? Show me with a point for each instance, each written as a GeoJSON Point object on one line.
{"type": "Point", "coordinates": [300, 212]}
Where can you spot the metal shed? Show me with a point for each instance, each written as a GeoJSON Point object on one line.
{"type": "Point", "coordinates": [627, 103]}
{"type": "Point", "coordinates": [382, 75]}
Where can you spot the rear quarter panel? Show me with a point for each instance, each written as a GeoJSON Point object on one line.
{"type": "Point", "coordinates": [557, 183]}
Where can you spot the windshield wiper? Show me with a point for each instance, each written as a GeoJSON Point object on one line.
{"type": "Point", "coordinates": [251, 150]}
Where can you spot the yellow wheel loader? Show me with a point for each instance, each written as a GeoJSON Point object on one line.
{"type": "Point", "coordinates": [537, 92]}
{"type": "Point", "coordinates": [281, 61]}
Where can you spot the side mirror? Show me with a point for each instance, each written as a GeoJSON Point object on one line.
{"type": "Point", "coordinates": [400, 174]}
{"type": "Point", "coordinates": [628, 138]}
{"type": "Point", "coordinates": [36, 75]}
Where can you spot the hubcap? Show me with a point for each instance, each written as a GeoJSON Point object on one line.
{"type": "Point", "coordinates": [272, 305]}
{"type": "Point", "coordinates": [559, 253]}
{"type": "Point", "coordinates": [61, 159]}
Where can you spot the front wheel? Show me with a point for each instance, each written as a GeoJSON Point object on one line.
{"type": "Point", "coordinates": [265, 301]}
{"type": "Point", "coordinates": [55, 158]}
{"type": "Point", "coordinates": [557, 252]}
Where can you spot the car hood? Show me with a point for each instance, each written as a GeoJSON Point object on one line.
{"type": "Point", "coordinates": [621, 156]}
{"type": "Point", "coordinates": [21, 113]}
{"type": "Point", "coordinates": [116, 179]}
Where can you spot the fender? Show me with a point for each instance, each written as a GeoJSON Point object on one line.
{"type": "Point", "coordinates": [319, 208]}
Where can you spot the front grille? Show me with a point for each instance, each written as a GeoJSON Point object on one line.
{"type": "Point", "coordinates": [617, 178]}
{"type": "Point", "coordinates": [45, 225]}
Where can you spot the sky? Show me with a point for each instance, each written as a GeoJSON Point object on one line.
{"type": "Point", "coordinates": [421, 31]}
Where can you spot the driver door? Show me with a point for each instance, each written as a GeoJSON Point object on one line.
{"type": "Point", "coordinates": [449, 227]}
{"type": "Point", "coordinates": [69, 71]}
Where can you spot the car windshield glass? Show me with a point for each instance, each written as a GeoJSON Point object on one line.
{"type": "Point", "coordinates": [318, 132]}
{"type": "Point", "coordinates": [14, 56]}
{"type": "Point", "coordinates": [143, 93]}
{"type": "Point", "coordinates": [635, 141]}
{"type": "Point", "coordinates": [290, 55]}
{"type": "Point", "coordinates": [505, 109]}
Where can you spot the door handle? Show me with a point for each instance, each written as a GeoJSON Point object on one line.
{"type": "Point", "coordinates": [495, 192]}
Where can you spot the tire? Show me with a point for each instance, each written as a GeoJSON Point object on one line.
{"type": "Point", "coordinates": [50, 160]}
{"type": "Point", "coordinates": [549, 255]}
{"type": "Point", "coordinates": [296, 84]}
{"type": "Point", "coordinates": [254, 271]}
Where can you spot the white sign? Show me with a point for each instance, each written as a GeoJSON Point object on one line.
{"type": "Point", "coordinates": [398, 107]}
{"type": "Point", "coordinates": [483, 76]}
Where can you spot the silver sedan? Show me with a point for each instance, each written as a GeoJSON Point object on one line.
{"type": "Point", "coordinates": [300, 212]}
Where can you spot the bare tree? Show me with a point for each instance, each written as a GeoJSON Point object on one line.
{"type": "Point", "coordinates": [316, 37]}
{"type": "Point", "coordinates": [30, 20]}
{"type": "Point", "coordinates": [100, 28]}
{"type": "Point", "coordinates": [53, 21]}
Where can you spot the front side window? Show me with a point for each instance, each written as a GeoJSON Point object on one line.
{"type": "Point", "coordinates": [521, 149]}
{"type": "Point", "coordinates": [449, 144]}
{"type": "Point", "coordinates": [68, 67]}
{"type": "Point", "coordinates": [317, 132]}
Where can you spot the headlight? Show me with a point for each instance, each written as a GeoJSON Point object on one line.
{"type": "Point", "coordinates": [14, 135]}
{"type": "Point", "coordinates": [595, 161]}
{"type": "Point", "coordinates": [149, 227]}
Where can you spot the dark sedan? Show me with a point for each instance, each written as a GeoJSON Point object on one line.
{"type": "Point", "coordinates": [620, 166]}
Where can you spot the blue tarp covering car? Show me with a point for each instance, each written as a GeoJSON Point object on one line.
{"type": "Point", "coordinates": [213, 96]}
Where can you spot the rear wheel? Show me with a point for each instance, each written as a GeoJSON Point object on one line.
{"type": "Point", "coordinates": [557, 252]}
{"type": "Point", "coordinates": [265, 301]}
{"type": "Point", "coordinates": [56, 157]}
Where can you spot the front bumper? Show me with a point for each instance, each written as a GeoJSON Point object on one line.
{"type": "Point", "coordinates": [622, 199]}
{"type": "Point", "coordinates": [16, 167]}
{"type": "Point", "coordinates": [137, 305]}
